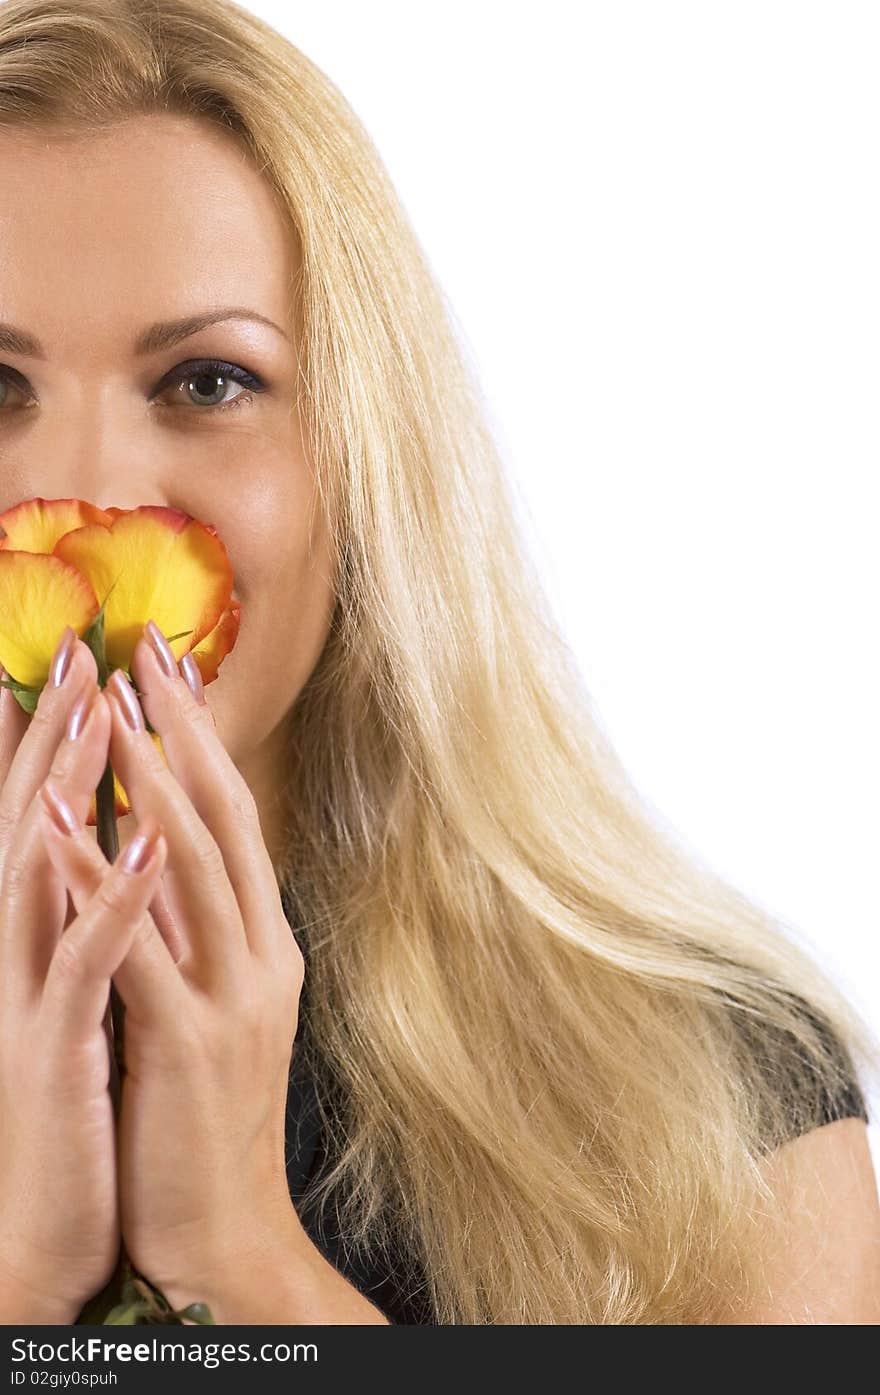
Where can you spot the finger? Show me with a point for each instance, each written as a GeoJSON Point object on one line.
{"type": "Point", "coordinates": [25, 756]}
{"type": "Point", "coordinates": [196, 875]}
{"type": "Point", "coordinates": [107, 923]}
{"type": "Point", "coordinates": [77, 780]}
{"type": "Point", "coordinates": [13, 725]}
{"type": "Point", "coordinates": [114, 931]}
{"type": "Point", "coordinates": [34, 900]}
{"type": "Point", "coordinates": [217, 791]}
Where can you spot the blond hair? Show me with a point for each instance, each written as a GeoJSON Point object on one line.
{"type": "Point", "coordinates": [554, 1047]}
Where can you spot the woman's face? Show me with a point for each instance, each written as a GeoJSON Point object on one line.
{"type": "Point", "coordinates": [102, 238]}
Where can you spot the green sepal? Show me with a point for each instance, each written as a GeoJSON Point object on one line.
{"type": "Point", "coordinates": [26, 696]}
{"type": "Point", "coordinates": [198, 1312]}
{"type": "Point", "coordinates": [124, 1314]}
{"type": "Point", "coordinates": [94, 638]}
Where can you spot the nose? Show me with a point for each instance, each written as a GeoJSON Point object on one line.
{"type": "Point", "coordinates": [96, 447]}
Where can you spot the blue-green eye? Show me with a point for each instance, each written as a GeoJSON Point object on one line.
{"type": "Point", "coordinates": [205, 379]}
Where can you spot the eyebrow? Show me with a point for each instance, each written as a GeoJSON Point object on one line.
{"type": "Point", "coordinates": [162, 335]}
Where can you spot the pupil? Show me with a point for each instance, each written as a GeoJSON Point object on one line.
{"type": "Point", "coordinates": [214, 384]}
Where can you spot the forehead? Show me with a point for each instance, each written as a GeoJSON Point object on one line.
{"type": "Point", "coordinates": [152, 217]}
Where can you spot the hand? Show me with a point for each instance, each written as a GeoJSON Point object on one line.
{"type": "Point", "coordinates": [208, 1036]}
{"type": "Point", "coordinates": [59, 1221]}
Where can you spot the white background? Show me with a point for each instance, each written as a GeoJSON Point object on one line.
{"type": "Point", "coordinates": [658, 228]}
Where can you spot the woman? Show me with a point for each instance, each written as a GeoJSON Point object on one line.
{"type": "Point", "coordinates": [546, 1068]}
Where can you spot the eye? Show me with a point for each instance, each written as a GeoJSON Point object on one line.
{"type": "Point", "coordinates": [204, 384]}
{"type": "Point", "coordinates": [10, 383]}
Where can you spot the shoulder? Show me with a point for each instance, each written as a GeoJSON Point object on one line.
{"type": "Point", "coordinates": [824, 1264]}
{"type": "Point", "coordinates": [826, 1267]}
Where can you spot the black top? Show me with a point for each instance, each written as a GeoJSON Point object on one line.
{"type": "Point", "coordinates": [398, 1297]}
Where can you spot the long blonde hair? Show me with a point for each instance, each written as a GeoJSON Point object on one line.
{"type": "Point", "coordinates": [554, 1048]}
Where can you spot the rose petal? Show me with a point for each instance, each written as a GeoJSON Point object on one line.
{"type": "Point", "coordinates": [152, 563]}
{"type": "Point", "coordinates": [39, 595]}
{"type": "Point", "coordinates": [36, 524]}
{"type": "Point", "coordinates": [210, 652]}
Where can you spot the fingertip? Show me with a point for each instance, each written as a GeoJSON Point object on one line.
{"type": "Point", "coordinates": [59, 817]}
{"type": "Point", "coordinates": [102, 705]}
{"type": "Point", "coordinates": [147, 848]}
{"type": "Point", "coordinates": [143, 656]}
{"type": "Point", "coordinates": [83, 657]}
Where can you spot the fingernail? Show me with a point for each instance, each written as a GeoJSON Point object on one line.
{"type": "Point", "coordinates": [127, 699]}
{"type": "Point", "coordinates": [62, 657]}
{"type": "Point", "coordinates": [193, 678]}
{"type": "Point", "coordinates": [140, 849]}
{"type": "Point", "coordinates": [80, 713]}
{"type": "Point", "coordinates": [162, 650]}
{"type": "Point", "coordinates": [59, 810]}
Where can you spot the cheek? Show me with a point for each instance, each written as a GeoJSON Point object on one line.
{"type": "Point", "coordinates": [284, 580]}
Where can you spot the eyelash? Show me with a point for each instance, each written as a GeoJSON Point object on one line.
{"type": "Point", "coordinates": [186, 372]}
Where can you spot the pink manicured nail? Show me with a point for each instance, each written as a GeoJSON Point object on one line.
{"type": "Point", "coordinates": [193, 678]}
{"type": "Point", "coordinates": [142, 846]}
{"type": "Point", "coordinates": [125, 695]}
{"type": "Point", "coordinates": [80, 713]}
{"type": "Point", "coordinates": [62, 657]}
{"type": "Point", "coordinates": [59, 810]}
{"type": "Point", "coordinates": [162, 650]}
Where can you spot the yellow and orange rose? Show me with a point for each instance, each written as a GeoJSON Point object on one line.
{"type": "Point", "coordinates": [106, 572]}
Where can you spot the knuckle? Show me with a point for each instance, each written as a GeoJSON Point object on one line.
{"type": "Point", "coordinates": [207, 854]}
{"type": "Point", "coordinates": [70, 961]}
{"type": "Point", "coordinates": [145, 934]}
{"type": "Point", "coordinates": [150, 757]}
{"type": "Point", "coordinates": [9, 820]}
{"type": "Point", "coordinates": [113, 899]}
{"type": "Point", "coordinates": [284, 983]}
{"type": "Point", "coordinates": [243, 802]}
{"type": "Point", "coordinates": [192, 711]}
{"type": "Point", "coordinates": [294, 965]}
{"type": "Point", "coordinates": [43, 722]}
{"type": "Point", "coordinates": [18, 874]}
{"type": "Point", "coordinates": [62, 762]}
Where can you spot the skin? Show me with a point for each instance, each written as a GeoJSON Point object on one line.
{"type": "Point", "coordinates": [160, 219]}
{"type": "Point", "coordinates": [829, 1269]}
